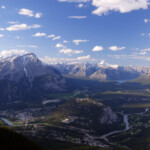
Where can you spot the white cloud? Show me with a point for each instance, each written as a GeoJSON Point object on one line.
{"type": "Point", "coordinates": [142, 34]}
{"type": "Point", "coordinates": [38, 15]}
{"type": "Point", "coordinates": [3, 7]}
{"type": "Point", "coordinates": [1, 35]}
{"type": "Point", "coordinates": [145, 34]}
{"type": "Point", "coordinates": [9, 53]}
{"type": "Point", "coordinates": [51, 36]}
{"type": "Point", "coordinates": [77, 17]}
{"type": "Point", "coordinates": [35, 26]}
{"type": "Point", "coordinates": [84, 57]}
{"type": "Point", "coordinates": [26, 12]}
{"type": "Point", "coordinates": [58, 45]}
{"type": "Point", "coordinates": [76, 1]}
{"type": "Point", "coordinates": [50, 60]}
{"type": "Point", "coordinates": [137, 57]}
{"type": "Point", "coordinates": [29, 13]}
{"type": "Point", "coordinates": [17, 37]}
{"type": "Point", "coordinates": [80, 5]}
{"type": "Point", "coordinates": [70, 51]}
{"type": "Point", "coordinates": [78, 41]}
{"type": "Point", "coordinates": [97, 48]}
{"type": "Point", "coordinates": [56, 38]}
{"type": "Point", "coordinates": [19, 27]}
{"type": "Point", "coordinates": [136, 49]}
{"type": "Point", "coordinates": [142, 53]}
{"type": "Point", "coordinates": [47, 36]}
{"type": "Point", "coordinates": [145, 50]}
{"type": "Point", "coordinates": [27, 46]}
{"type": "Point", "coordinates": [39, 34]}
{"type": "Point", "coordinates": [32, 46]}
{"type": "Point", "coordinates": [122, 6]}
{"type": "Point", "coordinates": [146, 20]}
{"type": "Point", "coordinates": [116, 48]}
{"type": "Point", "coordinates": [2, 29]}
{"type": "Point", "coordinates": [65, 41]}
{"type": "Point", "coordinates": [13, 22]}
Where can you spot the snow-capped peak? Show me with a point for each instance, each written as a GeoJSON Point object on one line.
{"type": "Point", "coordinates": [103, 63]}
{"type": "Point", "coordinates": [14, 54]}
{"type": "Point", "coordinates": [29, 56]}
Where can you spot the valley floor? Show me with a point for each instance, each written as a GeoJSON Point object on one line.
{"type": "Point", "coordinates": [130, 103]}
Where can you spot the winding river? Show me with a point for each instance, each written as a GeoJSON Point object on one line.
{"type": "Point", "coordinates": [7, 122]}
{"type": "Point", "coordinates": [127, 126]}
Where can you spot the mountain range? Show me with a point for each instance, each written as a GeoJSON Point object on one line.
{"type": "Point", "coordinates": [102, 71]}
{"type": "Point", "coordinates": [22, 75]}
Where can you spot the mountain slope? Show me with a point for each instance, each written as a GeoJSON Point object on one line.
{"type": "Point", "coordinates": [143, 79]}
{"type": "Point", "coordinates": [27, 72]}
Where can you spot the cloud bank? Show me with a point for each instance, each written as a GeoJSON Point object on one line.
{"type": "Point", "coordinates": [103, 7]}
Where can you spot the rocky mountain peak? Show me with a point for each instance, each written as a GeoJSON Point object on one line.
{"type": "Point", "coordinates": [27, 72]}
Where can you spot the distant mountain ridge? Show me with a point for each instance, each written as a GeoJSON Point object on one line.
{"type": "Point", "coordinates": [101, 71]}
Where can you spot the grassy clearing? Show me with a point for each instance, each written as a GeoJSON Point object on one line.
{"type": "Point", "coordinates": [138, 105]}
{"type": "Point", "coordinates": [137, 93]}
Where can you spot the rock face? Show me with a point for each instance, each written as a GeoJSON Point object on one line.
{"type": "Point", "coordinates": [27, 72]}
{"type": "Point", "coordinates": [99, 75]}
{"type": "Point", "coordinates": [78, 70]}
{"type": "Point", "coordinates": [109, 117]}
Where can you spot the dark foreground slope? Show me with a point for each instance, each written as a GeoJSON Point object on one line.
{"type": "Point", "coordinates": [10, 140]}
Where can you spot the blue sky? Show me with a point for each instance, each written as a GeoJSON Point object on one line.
{"type": "Point", "coordinates": [117, 31]}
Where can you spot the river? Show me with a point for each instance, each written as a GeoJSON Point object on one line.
{"type": "Point", "coordinates": [127, 126]}
{"type": "Point", "coordinates": [7, 122]}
